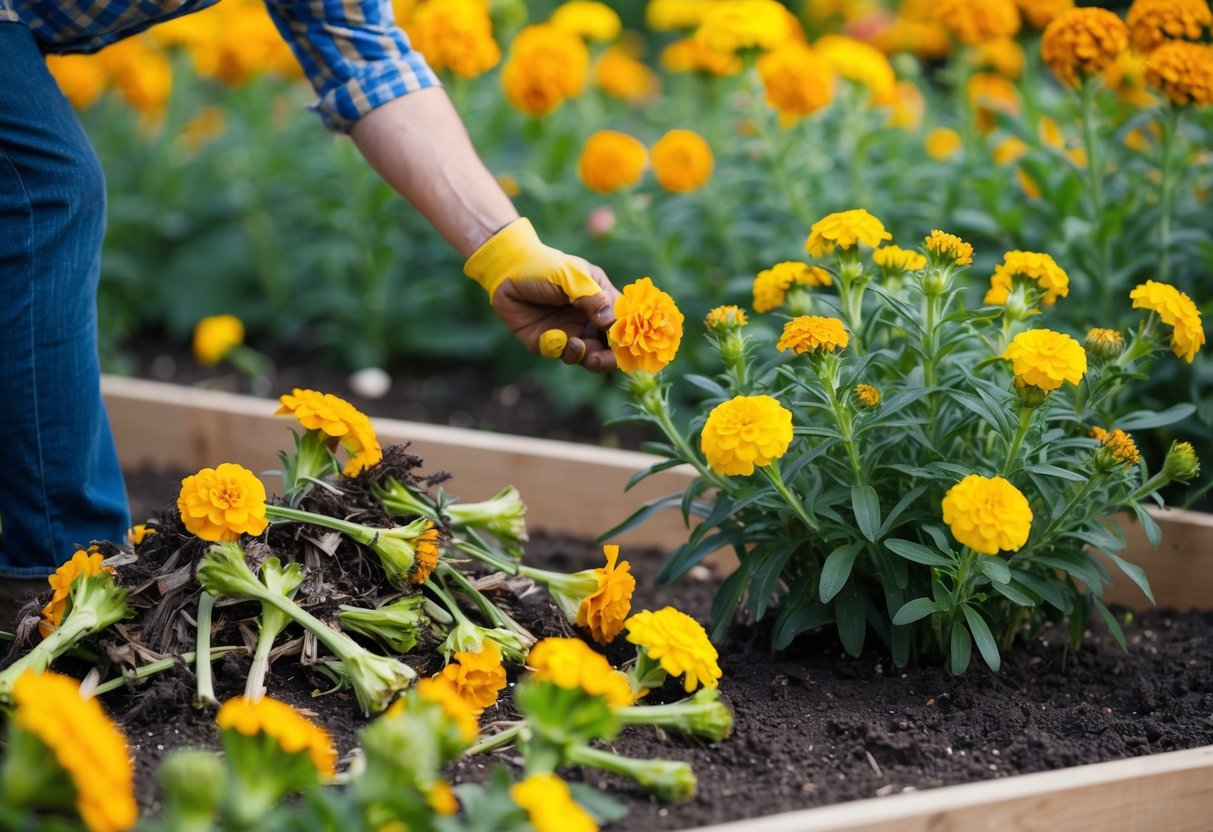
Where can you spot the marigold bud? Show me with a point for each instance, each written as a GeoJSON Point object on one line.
{"type": "Point", "coordinates": [1104, 344]}
{"type": "Point", "coordinates": [1181, 464]}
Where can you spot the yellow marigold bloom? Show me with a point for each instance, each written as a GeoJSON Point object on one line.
{"type": "Point", "coordinates": [942, 142]}
{"type": "Point", "coordinates": [611, 161]}
{"type": "Point", "coordinates": [1154, 22]}
{"type": "Point", "coordinates": [572, 664]}
{"type": "Point", "coordinates": [987, 515]}
{"type": "Point", "coordinates": [1119, 445]}
{"type": "Point", "coordinates": [725, 317]}
{"type": "Point", "coordinates": [141, 73]}
{"type": "Point", "coordinates": [679, 643]}
{"type": "Point", "coordinates": [1045, 359]}
{"type": "Point", "coordinates": [909, 107]}
{"type": "Point", "coordinates": [139, 533]}
{"type": "Point", "coordinates": [439, 690]}
{"type": "Point", "coordinates": [455, 35]}
{"type": "Point", "coordinates": [862, 63]}
{"type": "Point", "coordinates": [867, 395]}
{"type": "Point", "coordinates": [949, 248]}
{"type": "Point", "coordinates": [896, 258]}
{"type": "Point", "coordinates": [619, 74]}
{"type": "Point", "coordinates": [441, 799]}
{"type": "Point", "coordinates": [771, 285]}
{"type": "Point", "coordinates": [989, 95]}
{"type": "Point", "coordinates": [1126, 76]}
{"type": "Point", "coordinates": [1031, 265]}
{"type": "Point", "coordinates": [845, 229]}
{"type": "Point", "coordinates": [692, 55]}
{"type": "Point", "coordinates": [587, 19]}
{"type": "Point", "coordinates": [81, 78]}
{"type": "Point", "coordinates": [218, 504]}
{"type": "Point", "coordinates": [85, 744]}
{"type": "Point", "coordinates": [682, 161]}
{"type": "Point", "coordinates": [813, 333]}
{"type": "Point", "coordinates": [974, 22]}
{"type": "Point", "coordinates": [668, 15]}
{"type": "Point", "coordinates": [1182, 71]}
{"type": "Point", "coordinates": [737, 25]}
{"type": "Point", "coordinates": [478, 676]}
{"type": "Point", "coordinates": [546, 66]}
{"type": "Point", "coordinates": [647, 328]}
{"type": "Point", "coordinates": [1040, 13]}
{"type": "Point", "coordinates": [744, 432]}
{"type": "Point", "coordinates": [1010, 150]}
{"type": "Point", "coordinates": [795, 80]}
{"type": "Point", "coordinates": [293, 732]}
{"type": "Point", "coordinates": [604, 610]}
{"type": "Point", "coordinates": [1082, 42]}
{"type": "Point", "coordinates": [1104, 343]}
{"type": "Point", "coordinates": [1004, 56]}
{"type": "Point", "coordinates": [335, 417]}
{"type": "Point", "coordinates": [81, 564]}
{"type": "Point", "coordinates": [215, 336]}
{"type": "Point", "coordinates": [550, 806]}
{"type": "Point", "coordinates": [1177, 311]}
{"type": "Point", "coordinates": [426, 552]}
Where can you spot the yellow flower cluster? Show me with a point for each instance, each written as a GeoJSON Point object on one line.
{"type": "Point", "coordinates": [294, 733]}
{"type": "Point", "coordinates": [744, 432]}
{"type": "Point", "coordinates": [441, 691]}
{"type": "Point", "coordinates": [426, 551]}
{"type": "Point", "coordinates": [1031, 265]}
{"type": "Point", "coordinates": [948, 248]}
{"type": "Point", "coordinates": [478, 676]}
{"type": "Point", "coordinates": [795, 80]}
{"type": "Point", "coordinates": [813, 334]}
{"type": "Point", "coordinates": [1045, 359]}
{"type": "Point", "coordinates": [988, 515]}
{"type": "Point", "coordinates": [1040, 13]}
{"type": "Point", "coordinates": [1119, 444]}
{"type": "Point", "coordinates": [896, 258]}
{"type": "Point", "coordinates": [617, 73]}
{"type": "Point", "coordinates": [724, 317]}
{"type": "Point", "coordinates": [339, 419]}
{"type": "Point", "coordinates": [81, 564]}
{"type": "Point", "coordinates": [571, 664]}
{"type": "Point", "coordinates": [845, 230]}
{"type": "Point", "coordinates": [546, 66]}
{"type": "Point", "coordinates": [550, 806]}
{"type": "Point", "coordinates": [215, 336]}
{"type": "Point", "coordinates": [682, 161]}
{"type": "Point", "coordinates": [1183, 72]}
{"type": "Point", "coordinates": [1083, 42]}
{"type": "Point", "coordinates": [604, 610]}
{"type": "Point", "coordinates": [588, 19]}
{"type": "Point", "coordinates": [771, 285]}
{"type": "Point", "coordinates": [647, 328]}
{"type": "Point", "coordinates": [233, 42]}
{"type": "Point", "coordinates": [1154, 22]}
{"type": "Point", "coordinates": [669, 15]}
{"type": "Point", "coordinates": [611, 161]}
{"type": "Point", "coordinates": [862, 63]}
{"type": "Point", "coordinates": [942, 143]}
{"type": "Point", "coordinates": [679, 644]}
{"type": "Point", "coordinates": [84, 742]}
{"type": "Point", "coordinates": [219, 504]}
{"type": "Point", "coordinates": [867, 395]}
{"type": "Point", "coordinates": [737, 25]}
{"type": "Point", "coordinates": [455, 35]}
{"type": "Point", "coordinates": [973, 22]}
{"type": "Point", "coordinates": [1176, 310]}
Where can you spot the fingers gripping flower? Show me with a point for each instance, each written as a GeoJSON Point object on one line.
{"type": "Point", "coordinates": [478, 676]}
{"type": "Point", "coordinates": [1045, 359]}
{"type": "Point", "coordinates": [682, 161]}
{"type": "Point", "coordinates": [813, 334]}
{"type": "Point", "coordinates": [1082, 42]}
{"type": "Point", "coordinates": [612, 161]}
{"type": "Point", "coordinates": [549, 805]}
{"type": "Point", "coordinates": [647, 329]}
{"type": "Point", "coordinates": [1034, 267]}
{"type": "Point", "coordinates": [845, 230]}
{"type": "Point", "coordinates": [1176, 310]}
{"type": "Point", "coordinates": [745, 432]}
{"type": "Point", "coordinates": [220, 504]}
{"type": "Point", "coordinates": [671, 642]}
{"type": "Point", "coordinates": [988, 515]}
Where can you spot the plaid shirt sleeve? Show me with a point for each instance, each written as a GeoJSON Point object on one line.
{"type": "Point", "coordinates": [353, 53]}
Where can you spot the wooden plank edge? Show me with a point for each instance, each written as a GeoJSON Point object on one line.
{"type": "Point", "coordinates": [1171, 791]}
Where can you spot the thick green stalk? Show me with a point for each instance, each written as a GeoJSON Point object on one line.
{"type": "Point", "coordinates": [205, 695]}
{"type": "Point", "coordinates": [775, 478]}
{"type": "Point", "coordinates": [1025, 422]}
{"type": "Point", "coordinates": [1170, 128]}
{"type": "Point", "coordinates": [1090, 105]}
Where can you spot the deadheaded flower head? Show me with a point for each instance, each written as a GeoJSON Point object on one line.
{"type": "Point", "coordinates": [671, 642]}
{"type": "Point", "coordinates": [478, 676]}
{"type": "Point", "coordinates": [331, 418]}
{"type": "Point", "coordinates": [468, 637]}
{"type": "Point", "coordinates": [223, 503]}
{"type": "Point", "coordinates": [702, 715]}
{"type": "Point", "coordinates": [597, 600]}
{"type": "Point", "coordinates": [503, 516]}
{"type": "Point", "coordinates": [396, 625]}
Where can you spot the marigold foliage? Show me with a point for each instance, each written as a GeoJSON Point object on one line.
{"type": "Point", "coordinates": [215, 336]}
{"type": "Point", "coordinates": [221, 504]}
{"type": "Point", "coordinates": [1031, 265]}
{"type": "Point", "coordinates": [611, 161]}
{"type": "Point", "coordinates": [988, 515]}
{"type": "Point", "coordinates": [737, 25]}
{"type": "Point", "coordinates": [813, 334]}
{"type": "Point", "coordinates": [1082, 42]}
{"type": "Point", "coordinates": [550, 806]}
{"type": "Point", "coordinates": [588, 19]}
{"type": "Point", "coordinates": [1154, 22]}
{"type": "Point", "coordinates": [974, 22]}
{"type": "Point", "coordinates": [1183, 72]}
{"type": "Point", "coordinates": [795, 80]}
{"type": "Point", "coordinates": [682, 161]}
{"type": "Point", "coordinates": [293, 732]}
{"type": "Point", "coordinates": [478, 676]}
{"type": "Point", "coordinates": [725, 317]}
{"type": "Point", "coordinates": [845, 230]}
{"type": "Point", "coordinates": [771, 285]}
{"type": "Point", "coordinates": [1046, 359]}
{"type": "Point", "coordinates": [442, 691]}
{"type": "Point", "coordinates": [426, 551]}
{"type": "Point", "coordinates": [337, 418]}
{"type": "Point", "coordinates": [81, 564]}
{"type": "Point", "coordinates": [546, 66]}
{"type": "Point", "coordinates": [948, 248]}
{"type": "Point", "coordinates": [572, 664]}
{"type": "Point", "coordinates": [604, 610]}
{"type": "Point", "coordinates": [679, 643]}
{"type": "Point", "coordinates": [1176, 310]}
{"type": "Point", "coordinates": [647, 328]}
{"type": "Point", "coordinates": [896, 258]}
{"type": "Point", "coordinates": [744, 432]}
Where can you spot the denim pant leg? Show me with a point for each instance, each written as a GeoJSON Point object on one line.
{"type": "Point", "coordinates": [60, 482]}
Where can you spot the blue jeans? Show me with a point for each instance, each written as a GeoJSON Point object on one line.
{"type": "Point", "coordinates": [60, 482]}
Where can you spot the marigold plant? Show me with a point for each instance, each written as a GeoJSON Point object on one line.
{"type": "Point", "coordinates": [1083, 42]}
{"type": "Point", "coordinates": [682, 161]}
{"type": "Point", "coordinates": [546, 66]}
{"type": "Point", "coordinates": [611, 161]}
{"type": "Point", "coordinates": [1154, 22]}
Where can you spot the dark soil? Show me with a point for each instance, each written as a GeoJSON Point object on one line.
{"type": "Point", "coordinates": [812, 727]}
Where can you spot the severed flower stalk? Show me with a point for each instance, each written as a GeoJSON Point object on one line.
{"type": "Point", "coordinates": [376, 679]}
{"type": "Point", "coordinates": [271, 622]}
{"type": "Point", "coordinates": [396, 625]}
{"type": "Point", "coordinates": [668, 780]}
{"type": "Point", "coordinates": [503, 516]}
{"type": "Point", "coordinates": [468, 637]}
{"type": "Point", "coordinates": [598, 600]}
{"type": "Point", "coordinates": [702, 715]}
{"type": "Point", "coordinates": [204, 690]}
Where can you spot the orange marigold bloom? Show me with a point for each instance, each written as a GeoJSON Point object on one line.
{"type": "Point", "coordinates": [277, 720]}
{"type": "Point", "coordinates": [814, 334]}
{"type": "Point", "coordinates": [693, 55]}
{"type": "Point", "coordinates": [219, 504]}
{"type": "Point", "coordinates": [974, 22]}
{"type": "Point", "coordinates": [1176, 310]}
{"type": "Point", "coordinates": [339, 419]}
{"type": "Point", "coordinates": [795, 80]}
{"type": "Point", "coordinates": [603, 611]}
{"type": "Point", "coordinates": [588, 19]}
{"type": "Point", "coordinates": [82, 78]}
{"type": "Point", "coordinates": [1082, 42]}
{"type": "Point", "coordinates": [723, 318]}
{"type": "Point", "coordinates": [426, 550]}
{"type": "Point", "coordinates": [455, 35]}
{"type": "Point", "coordinates": [1040, 13]}
{"type": "Point", "coordinates": [1118, 445]}
{"type": "Point", "coordinates": [81, 564]}
{"type": "Point", "coordinates": [619, 74]}
{"type": "Point", "coordinates": [682, 161]}
{"type": "Point", "coordinates": [679, 644]}
{"type": "Point", "coordinates": [1154, 22]}
{"type": "Point", "coordinates": [867, 395]}
{"type": "Point", "coordinates": [942, 142]}
{"type": "Point", "coordinates": [647, 328]}
{"type": "Point", "coordinates": [550, 806]}
{"type": "Point", "coordinates": [845, 230]}
{"type": "Point", "coordinates": [1004, 56]}
{"type": "Point", "coordinates": [611, 161]}
{"type": "Point", "coordinates": [771, 285]}
{"type": "Point", "coordinates": [1183, 72]}
{"type": "Point", "coordinates": [737, 25]}
{"type": "Point", "coordinates": [546, 66]}
{"type": "Point", "coordinates": [479, 676]}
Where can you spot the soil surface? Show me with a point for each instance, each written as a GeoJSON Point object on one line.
{"type": "Point", "coordinates": [813, 727]}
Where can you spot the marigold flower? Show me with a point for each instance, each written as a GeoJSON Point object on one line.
{"type": "Point", "coordinates": [277, 720]}
{"type": "Point", "coordinates": [1177, 311]}
{"type": "Point", "coordinates": [1004, 56]}
{"type": "Point", "coordinates": [478, 676]}
{"type": "Point", "coordinates": [736, 25]}
{"type": "Point", "coordinates": [426, 551]}
{"type": "Point", "coordinates": [215, 336]}
{"type": "Point", "coordinates": [219, 504]}
{"type": "Point", "coordinates": [1031, 265]}
{"type": "Point", "coordinates": [771, 285]}
{"type": "Point", "coordinates": [669, 15]}
{"type": "Point", "coordinates": [647, 328]}
{"type": "Point", "coordinates": [138, 533]}
{"type": "Point", "coordinates": [989, 95]}
{"type": "Point", "coordinates": [455, 35]}
{"type": "Point", "coordinates": [948, 248]}
{"type": "Point", "coordinates": [546, 66]}
{"type": "Point", "coordinates": [908, 108]}
{"type": "Point", "coordinates": [844, 230]}
{"type": "Point", "coordinates": [679, 643]}
{"type": "Point", "coordinates": [442, 691]}
{"type": "Point", "coordinates": [867, 395]}
{"type": "Point", "coordinates": [1104, 344]}
{"type": "Point", "coordinates": [620, 75]}
{"type": "Point", "coordinates": [744, 432]}
{"type": "Point", "coordinates": [82, 78]}
{"type": "Point", "coordinates": [550, 806]}
{"type": "Point", "coordinates": [1182, 71]}
{"type": "Point", "coordinates": [896, 258]}
{"type": "Point", "coordinates": [603, 611]}
{"type": "Point", "coordinates": [975, 22]}
{"type": "Point", "coordinates": [1040, 13]}
{"type": "Point", "coordinates": [942, 142]}
{"type": "Point", "coordinates": [588, 19]}
{"type": "Point", "coordinates": [1154, 22]}
{"type": "Point", "coordinates": [84, 742]}
{"type": "Point", "coordinates": [693, 55]}
{"type": "Point", "coordinates": [1045, 359]}
{"type": "Point", "coordinates": [339, 419]}
{"type": "Point", "coordinates": [611, 161]}
{"type": "Point", "coordinates": [141, 73]}
{"type": "Point", "coordinates": [862, 63]}
{"type": "Point", "coordinates": [441, 799]}
{"type": "Point", "coordinates": [682, 161]}
{"type": "Point", "coordinates": [1010, 150]}
{"type": "Point", "coordinates": [1082, 42]}
{"type": "Point", "coordinates": [725, 317]}
{"type": "Point", "coordinates": [813, 334]}
{"type": "Point", "coordinates": [795, 80]}
{"type": "Point", "coordinates": [1126, 76]}
{"type": "Point", "coordinates": [1118, 444]}
{"type": "Point", "coordinates": [81, 564]}
{"type": "Point", "coordinates": [988, 515]}
{"type": "Point", "coordinates": [572, 664]}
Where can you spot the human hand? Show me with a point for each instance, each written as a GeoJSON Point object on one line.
{"type": "Point", "coordinates": [556, 304]}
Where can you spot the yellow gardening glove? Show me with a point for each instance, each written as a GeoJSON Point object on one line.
{"type": "Point", "coordinates": [542, 294]}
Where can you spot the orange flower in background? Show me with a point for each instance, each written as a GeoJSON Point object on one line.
{"type": "Point", "coordinates": [942, 143]}
{"type": "Point", "coordinates": [682, 161]}
{"type": "Point", "coordinates": [991, 94]}
{"type": "Point", "coordinates": [1034, 266]}
{"type": "Point", "coordinates": [669, 15]}
{"type": "Point", "coordinates": [479, 676]}
{"type": "Point", "coordinates": [1126, 76]}
{"type": "Point", "coordinates": [141, 73]}
{"type": "Point", "coordinates": [647, 328]}
{"type": "Point", "coordinates": [862, 63]}
{"type": "Point", "coordinates": [771, 285]}
{"type": "Point", "coordinates": [795, 80]}
{"type": "Point", "coordinates": [738, 25]}
{"type": "Point", "coordinates": [289, 729]}
{"type": "Point", "coordinates": [1183, 72]}
{"type": "Point", "coordinates": [546, 66]}
{"type": "Point", "coordinates": [81, 564]}
{"type": "Point", "coordinates": [455, 35]}
{"type": "Point", "coordinates": [1082, 42]}
{"type": "Point", "coordinates": [974, 22]}
{"type": "Point", "coordinates": [620, 75]}
{"type": "Point", "coordinates": [692, 55]}
{"type": "Point", "coordinates": [896, 258]}
{"type": "Point", "coordinates": [1004, 56]}
{"type": "Point", "coordinates": [921, 36]}
{"type": "Point", "coordinates": [1177, 311]}
{"type": "Point", "coordinates": [215, 336]}
{"type": "Point", "coordinates": [82, 78]}
{"type": "Point", "coordinates": [611, 161]}
{"type": "Point", "coordinates": [604, 610]}
{"type": "Point", "coordinates": [1154, 22]}
{"type": "Point", "coordinates": [220, 504]}
{"type": "Point", "coordinates": [441, 691]}
{"type": "Point", "coordinates": [1040, 13]}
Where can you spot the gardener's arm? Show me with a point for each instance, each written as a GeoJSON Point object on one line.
{"type": "Point", "coordinates": [375, 86]}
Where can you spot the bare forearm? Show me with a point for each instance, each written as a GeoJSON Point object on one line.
{"type": "Point", "coordinates": [419, 145]}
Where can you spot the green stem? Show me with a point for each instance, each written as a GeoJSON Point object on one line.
{"type": "Point", "coordinates": [845, 428]}
{"type": "Point", "coordinates": [1170, 127]}
{"type": "Point", "coordinates": [502, 737]}
{"type": "Point", "coordinates": [684, 450]}
{"type": "Point", "coordinates": [961, 588]}
{"type": "Point", "coordinates": [774, 477]}
{"type": "Point", "coordinates": [205, 696]}
{"type": "Point", "coordinates": [362, 534]}
{"type": "Point", "coordinates": [487, 607]}
{"type": "Point", "coordinates": [1025, 422]}
{"type": "Point", "coordinates": [1095, 188]}
{"type": "Point", "coordinates": [486, 557]}
{"type": "Point", "coordinates": [152, 668]}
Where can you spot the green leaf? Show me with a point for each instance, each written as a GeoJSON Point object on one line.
{"type": "Point", "coordinates": [851, 619]}
{"type": "Point", "coordinates": [984, 638]}
{"type": "Point", "coordinates": [995, 569]}
{"type": "Point", "coordinates": [708, 385]}
{"type": "Point", "coordinates": [917, 553]}
{"type": "Point", "coordinates": [1053, 471]}
{"type": "Point", "coordinates": [728, 598]}
{"type": "Point", "coordinates": [766, 575]}
{"type": "Point", "coordinates": [1146, 419]}
{"type": "Point", "coordinates": [906, 500]}
{"type": "Point", "coordinates": [641, 514]}
{"type": "Point", "coordinates": [836, 570]}
{"type": "Point", "coordinates": [866, 506]}
{"type": "Point", "coordinates": [1136, 574]}
{"type": "Point", "coordinates": [1015, 593]}
{"type": "Point", "coordinates": [685, 556]}
{"type": "Point", "coordinates": [1148, 525]}
{"type": "Point", "coordinates": [1050, 589]}
{"type": "Point", "coordinates": [603, 807]}
{"type": "Point", "coordinates": [799, 620]}
{"type": "Point", "coordinates": [640, 476]}
{"type": "Point", "coordinates": [960, 649]}
{"type": "Point", "coordinates": [916, 609]}
{"type": "Point", "coordinates": [1112, 623]}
